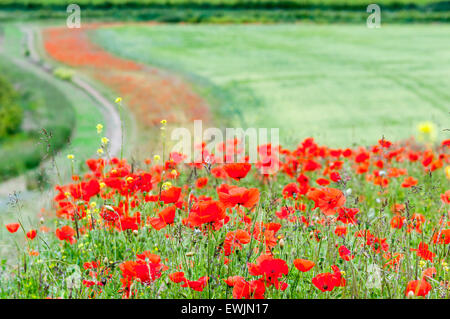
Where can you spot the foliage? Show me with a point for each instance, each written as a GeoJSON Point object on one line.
{"type": "Point", "coordinates": [331, 223]}
{"type": "Point", "coordinates": [11, 113]}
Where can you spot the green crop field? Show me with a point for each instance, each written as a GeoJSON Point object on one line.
{"type": "Point", "coordinates": [340, 84]}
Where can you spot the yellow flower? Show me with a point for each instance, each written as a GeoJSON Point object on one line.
{"type": "Point", "coordinates": [156, 158]}
{"type": "Point", "coordinates": [447, 171]}
{"type": "Point", "coordinates": [166, 185]}
{"type": "Point", "coordinates": [93, 204]}
{"type": "Point", "coordinates": [118, 100]}
{"type": "Point", "coordinates": [105, 140]}
{"type": "Point", "coordinates": [102, 184]}
{"type": "Point", "coordinates": [173, 172]}
{"type": "Point", "coordinates": [70, 156]}
{"type": "Point", "coordinates": [129, 179]}
{"type": "Point", "coordinates": [427, 131]}
{"type": "Point", "coordinates": [99, 128]}
{"type": "Point", "coordinates": [100, 151]}
{"type": "Point", "coordinates": [164, 122]}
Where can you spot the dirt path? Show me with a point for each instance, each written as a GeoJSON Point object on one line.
{"type": "Point", "coordinates": [150, 93]}
{"type": "Point", "coordinates": [107, 108]}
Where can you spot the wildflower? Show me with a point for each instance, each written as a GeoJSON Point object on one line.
{"type": "Point", "coordinates": [327, 199]}
{"type": "Point", "coordinates": [156, 158]}
{"type": "Point", "coordinates": [418, 288]}
{"type": "Point", "coordinates": [328, 281]}
{"type": "Point", "coordinates": [427, 131]}
{"type": "Point", "coordinates": [100, 151]}
{"type": "Point", "coordinates": [303, 265]}
{"type": "Point", "coordinates": [70, 156]}
{"type": "Point", "coordinates": [99, 128]}
{"type": "Point", "coordinates": [105, 140]}
{"type": "Point", "coordinates": [423, 252]}
{"type": "Point", "coordinates": [12, 228]}
{"type": "Point", "coordinates": [165, 217]}
{"type": "Point", "coordinates": [237, 171]}
{"type": "Point", "coordinates": [270, 269]}
{"type": "Point", "coordinates": [208, 211]}
{"type": "Point", "coordinates": [118, 99]}
{"type": "Point", "coordinates": [31, 234]}
{"type": "Point", "coordinates": [231, 196]}
{"type": "Point", "coordinates": [66, 233]}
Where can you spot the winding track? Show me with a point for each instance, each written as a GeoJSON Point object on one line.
{"type": "Point", "coordinates": [108, 109]}
{"type": "Point", "coordinates": [111, 115]}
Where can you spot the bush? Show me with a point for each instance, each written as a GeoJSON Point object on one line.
{"type": "Point", "coordinates": [11, 114]}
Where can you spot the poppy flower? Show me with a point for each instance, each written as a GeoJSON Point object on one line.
{"type": "Point", "coordinates": [170, 195]}
{"type": "Point", "coordinates": [445, 198]}
{"type": "Point", "coordinates": [397, 222]}
{"type": "Point", "coordinates": [253, 289]}
{"type": "Point", "coordinates": [165, 217]}
{"type": "Point", "coordinates": [66, 233]}
{"type": "Point", "coordinates": [442, 237]}
{"type": "Point", "coordinates": [31, 234]}
{"type": "Point", "coordinates": [197, 285]}
{"type": "Point", "coordinates": [429, 273]}
{"type": "Point", "coordinates": [235, 239]}
{"type": "Point", "coordinates": [231, 196]}
{"type": "Point", "coordinates": [418, 288]}
{"type": "Point", "coordinates": [208, 211]}
{"type": "Point", "coordinates": [347, 215]}
{"type": "Point", "coordinates": [423, 252]}
{"type": "Point", "coordinates": [303, 265]}
{"type": "Point", "coordinates": [345, 253]}
{"type": "Point", "coordinates": [270, 269]}
{"type": "Point", "coordinates": [409, 182]}
{"type": "Point", "coordinates": [201, 182]}
{"type": "Point", "coordinates": [237, 171]}
{"type": "Point", "coordinates": [12, 228]}
{"type": "Point", "coordinates": [340, 231]}
{"type": "Point", "coordinates": [328, 281]}
{"type": "Point", "coordinates": [327, 199]}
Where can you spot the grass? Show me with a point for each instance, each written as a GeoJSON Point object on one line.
{"type": "Point", "coordinates": [68, 113]}
{"type": "Point", "coordinates": [62, 109]}
{"type": "Point", "coordinates": [52, 266]}
{"type": "Point", "coordinates": [341, 84]}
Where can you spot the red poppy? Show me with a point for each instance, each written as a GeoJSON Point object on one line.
{"type": "Point", "coordinates": [347, 215]}
{"type": "Point", "coordinates": [201, 182]}
{"type": "Point", "coordinates": [445, 198]}
{"type": "Point", "coordinates": [328, 281]}
{"type": "Point", "coordinates": [66, 233]}
{"type": "Point", "coordinates": [345, 253]}
{"type": "Point", "coordinates": [170, 195]}
{"type": "Point", "coordinates": [237, 171]}
{"type": "Point", "coordinates": [31, 234]}
{"type": "Point", "coordinates": [397, 222]}
{"type": "Point", "coordinates": [423, 252]}
{"type": "Point", "coordinates": [166, 217]}
{"type": "Point", "coordinates": [243, 289]}
{"type": "Point", "coordinates": [303, 265]}
{"type": "Point", "coordinates": [418, 288]}
{"type": "Point", "coordinates": [327, 199]}
{"type": "Point", "coordinates": [409, 182]}
{"type": "Point", "coordinates": [270, 269]}
{"type": "Point", "coordinates": [207, 211]}
{"type": "Point", "coordinates": [12, 228]}
{"type": "Point", "coordinates": [231, 196]}
{"type": "Point", "coordinates": [235, 239]}
{"type": "Point", "coordinates": [197, 285]}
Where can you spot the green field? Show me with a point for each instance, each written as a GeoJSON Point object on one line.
{"type": "Point", "coordinates": [66, 113]}
{"type": "Point", "coordinates": [340, 84]}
